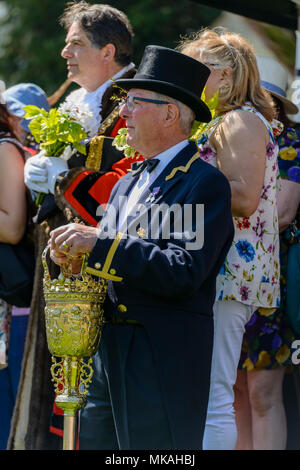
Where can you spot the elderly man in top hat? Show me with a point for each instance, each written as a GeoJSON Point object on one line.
{"type": "Point", "coordinates": [160, 245]}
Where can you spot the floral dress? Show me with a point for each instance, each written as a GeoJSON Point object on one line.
{"type": "Point", "coordinates": [268, 336]}
{"type": "Point", "coordinates": [5, 321]}
{"type": "Point", "coordinates": [250, 273]}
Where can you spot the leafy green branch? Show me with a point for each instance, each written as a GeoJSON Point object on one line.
{"type": "Point", "coordinates": [54, 131]}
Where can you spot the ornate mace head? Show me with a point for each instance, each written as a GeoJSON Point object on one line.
{"type": "Point", "coordinates": [74, 313]}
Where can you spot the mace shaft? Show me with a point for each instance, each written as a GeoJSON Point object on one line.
{"type": "Point", "coordinates": [70, 427]}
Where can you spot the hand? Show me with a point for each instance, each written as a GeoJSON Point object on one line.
{"type": "Point", "coordinates": [72, 241]}
{"type": "Point", "coordinates": [60, 257]}
{"type": "Point", "coordinates": [40, 172]}
{"type": "Point", "coordinates": [35, 173]}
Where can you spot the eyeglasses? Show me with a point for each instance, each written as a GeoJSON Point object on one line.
{"type": "Point", "coordinates": [211, 64]}
{"type": "Point", "coordinates": [130, 102]}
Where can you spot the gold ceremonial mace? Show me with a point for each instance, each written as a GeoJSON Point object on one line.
{"type": "Point", "coordinates": [74, 319]}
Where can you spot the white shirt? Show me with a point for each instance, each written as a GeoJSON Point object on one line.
{"type": "Point", "coordinates": [93, 99]}
{"type": "Point", "coordinates": [146, 179]}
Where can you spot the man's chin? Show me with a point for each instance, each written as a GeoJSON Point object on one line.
{"type": "Point", "coordinates": [129, 139]}
{"type": "Point", "coordinates": [73, 76]}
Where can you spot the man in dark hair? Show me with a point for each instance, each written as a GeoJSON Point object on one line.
{"type": "Point", "coordinates": [98, 49]}
{"type": "Point", "coordinates": [102, 24]}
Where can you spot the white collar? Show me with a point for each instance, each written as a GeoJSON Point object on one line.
{"type": "Point", "coordinates": [97, 94]}
{"type": "Point", "coordinates": [92, 101]}
{"type": "Point", "coordinates": [164, 158]}
{"type": "Point", "coordinates": [167, 155]}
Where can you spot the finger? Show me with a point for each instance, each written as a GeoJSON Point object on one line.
{"type": "Point", "coordinates": [59, 230]}
{"type": "Point", "coordinates": [36, 171]}
{"type": "Point", "coordinates": [54, 234]}
{"type": "Point", "coordinates": [64, 247]}
{"type": "Point", "coordinates": [58, 258]}
{"type": "Point", "coordinates": [62, 242]}
{"type": "Point", "coordinates": [35, 178]}
{"type": "Point", "coordinates": [69, 235]}
{"type": "Point", "coordinates": [58, 253]}
{"type": "Point", "coordinates": [78, 246]}
{"type": "Point", "coordinates": [37, 165]}
{"type": "Point", "coordinates": [71, 243]}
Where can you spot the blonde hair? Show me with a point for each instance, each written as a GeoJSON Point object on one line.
{"type": "Point", "coordinates": [220, 49]}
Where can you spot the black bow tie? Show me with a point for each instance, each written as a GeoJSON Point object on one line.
{"type": "Point", "coordinates": [138, 167]}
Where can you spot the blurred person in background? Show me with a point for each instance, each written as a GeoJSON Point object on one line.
{"type": "Point", "coordinates": [13, 225]}
{"type": "Point", "coordinates": [18, 96]}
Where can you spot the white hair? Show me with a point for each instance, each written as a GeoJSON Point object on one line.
{"type": "Point", "coordinates": [187, 115]}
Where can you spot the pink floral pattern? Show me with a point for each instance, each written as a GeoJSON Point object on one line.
{"type": "Point", "coordinates": [5, 321]}
{"type": "Point", "coordinates": [251, 272]}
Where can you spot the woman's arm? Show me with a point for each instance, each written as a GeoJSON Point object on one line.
{"type": "Point", "coordinates": [288, 200]}
{"type": "Point", "coordinates": [12, 194]}
{"type": "Point", "coordinates": [240, 141]}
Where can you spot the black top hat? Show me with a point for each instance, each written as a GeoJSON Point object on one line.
{"type": "Point", "coordinates": [173, 74]}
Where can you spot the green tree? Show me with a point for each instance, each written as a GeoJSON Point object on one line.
{"type": "Point", "coordinates": [31, 38]}
{"type": "Point", "coordinates": [30, 43]}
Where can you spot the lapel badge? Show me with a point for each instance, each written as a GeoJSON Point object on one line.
{"type": "Point", "coordinates": [151, 198]}
{"type": "Point", "coordinates": [141, 232]}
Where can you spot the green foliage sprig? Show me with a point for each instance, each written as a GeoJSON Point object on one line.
{"type": "Point", "coordinates": [120, 143]}
{"type": "Point", "coordinates": [200, 127]}
{"type": "Point", "coordinates": [55, 131]}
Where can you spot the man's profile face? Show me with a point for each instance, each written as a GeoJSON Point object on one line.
{"type": "Point", "coordinates": [84, 62]}
{"type": "Point", "coordinates": [143, 122]}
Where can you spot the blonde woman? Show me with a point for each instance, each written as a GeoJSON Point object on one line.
{"type": "Point", "coordinates": [240, 142]}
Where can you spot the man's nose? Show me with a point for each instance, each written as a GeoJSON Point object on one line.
{"type": "Point", "coordinates": [123, 111]}
{"type": "Point", "coordinates": [66, 52]}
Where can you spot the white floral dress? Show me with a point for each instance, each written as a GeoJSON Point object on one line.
{"type": "Point", "coordinates": [251, 271]}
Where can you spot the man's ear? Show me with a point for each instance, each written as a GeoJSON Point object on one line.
{"type": "Point", "coordinates": [172, 114]}
{"type": "Point", "coordinates": [109, 52]}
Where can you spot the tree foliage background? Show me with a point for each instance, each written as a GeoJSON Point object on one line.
{"type": "Point", "coordinates": [31, 38]}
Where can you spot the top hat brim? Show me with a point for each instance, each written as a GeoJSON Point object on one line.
{"type": "Point", "coordinates": [191, 100]}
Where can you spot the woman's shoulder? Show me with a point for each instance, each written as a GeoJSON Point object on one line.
{"type": "Point", "coordinates": [241, 120]}
{"type": "Point", "coordinates": [9, 145]}
{"type": "Point", "coordinates": [247, 111]}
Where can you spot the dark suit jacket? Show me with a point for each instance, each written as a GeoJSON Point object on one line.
{"type": "Point", "coordinates": [169, 289]}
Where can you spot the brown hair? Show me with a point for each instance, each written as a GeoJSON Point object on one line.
{"type": "Point", "coordinates": [103, 25]}
{"type": "Point", "coordinates": [5, 126]}
{"type": "Point", "coordinates": [222, 49]}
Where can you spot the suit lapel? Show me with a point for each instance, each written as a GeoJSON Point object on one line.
{"type": "Point", "coordinates": [171, 176]}
{"type": "Point", "coordinates": [125, 185]}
